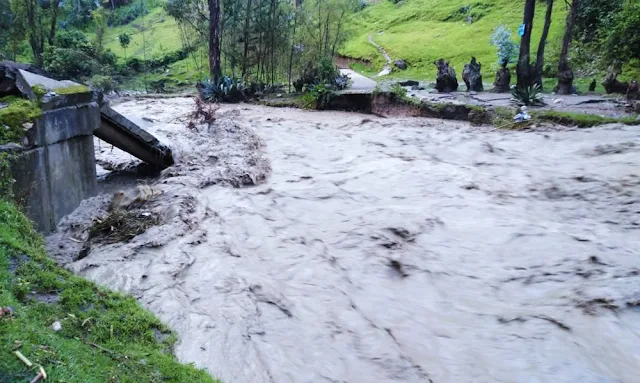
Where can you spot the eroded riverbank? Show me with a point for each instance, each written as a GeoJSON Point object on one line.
{"type": "Point", "coordinates": [387, 250]}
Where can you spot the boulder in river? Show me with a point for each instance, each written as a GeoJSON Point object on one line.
{"type": "Point", "coordinates": [446, 80]}
{"type": "Point", "coordinates": [400, 64]}
{"type": "Point", "coordinates": [472, 76]}
{"type": "Point", "coordinates": [611, 83]}
{"type": "Point", "coordinates": [409, 83]}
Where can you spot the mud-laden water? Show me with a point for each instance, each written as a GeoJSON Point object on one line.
{"type": "Point", "coordinates": [390, 250]}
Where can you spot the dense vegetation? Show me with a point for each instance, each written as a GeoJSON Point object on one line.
{"type": "Point", "coordinates": [159, 44]}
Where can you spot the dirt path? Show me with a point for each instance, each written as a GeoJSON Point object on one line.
{"type": "Point", "coordinates": [387, 67]}
{"type": "Point", "coordinates": [391, 250]}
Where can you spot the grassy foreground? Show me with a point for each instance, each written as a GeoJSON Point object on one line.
{"type": "Point", "coordinates": [105, 336]}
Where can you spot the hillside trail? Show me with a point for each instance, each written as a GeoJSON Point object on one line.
{"type": "Point", "coordinates": [387, 67]}
{"type": "Point", "coordinates": [385, 249]}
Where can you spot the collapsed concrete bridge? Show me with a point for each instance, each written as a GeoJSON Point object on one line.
{"type": "Point", "coordinates": [53, 164]}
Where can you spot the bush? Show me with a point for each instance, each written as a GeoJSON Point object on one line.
{"type": "Point", "coordinates": [398, 90]}
{"type": "Point", "coordinates": [507, 49]}
{"type": "Point", "coordinates": [528, 96]}
{"type": "Point", "coordinates": [322, 72]}
{"type": "Point", "coordinates": [223, 89]}
{"type": "Point", "coordinates": [126, 14]}
{"type": "Point", "coordinates": [103, 83]}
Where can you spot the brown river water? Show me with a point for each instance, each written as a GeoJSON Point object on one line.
{"type": "Point", "coordinates": [384, 249]}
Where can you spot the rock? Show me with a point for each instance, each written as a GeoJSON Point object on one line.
{"type": "Point", "coordinates": [409, 83]}
{"type": "Point", "coordinates": [279, 95]}
{"type": "Point", "coordinates": [446, 80]}
{"type": "Point", "coordinates": [56, 326]}
{"type": "Point", "coordinates": [472, 76]}
{"type": "Point", "coordinates": [503, 80]}
{"type": "Point", "coordinates": [417, 87]}
{"type": "Point", "coordinates": [400, 64]}
{"type": "Point", "coordinates": [558, 100]}
{"type": "Point", "coordinates": [637, 108]}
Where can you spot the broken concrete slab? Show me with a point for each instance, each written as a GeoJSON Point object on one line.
{"type": "Point", "coordinates": [126, 135]}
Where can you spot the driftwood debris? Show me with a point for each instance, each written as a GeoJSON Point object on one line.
{"type": "Point", "coordinates": [446, 80]}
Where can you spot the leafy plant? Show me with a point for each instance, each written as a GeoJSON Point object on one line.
{"type": "Point", "coordinates": [321, 94]}
{"type": "Point", "coordinates": [507, 49]}
{"type": "Point", "coordinates": [527, 96]}
{"type": "Point", "coordinates": [104, 84]}
{"type": "Point", "coordinates": [223, 89]}
{"type": "Point", "coordinates": [398, 90]}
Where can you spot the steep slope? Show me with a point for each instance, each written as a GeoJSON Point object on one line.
{"type": "Point", "coordinates": [421, 31]}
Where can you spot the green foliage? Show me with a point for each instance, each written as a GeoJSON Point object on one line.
{"type": "Point", "coordinates": [72, 89]}
{"type": "Point", "coordinates": [104, 336]}
{"type": "Point", "coordinates": [126, 14]}
{"type": "Point", "coordinates": [125, 40]}
{"type": "Point", "coordinates": [319, 96]}
{"type": "Point", "coordinates": [6, 179]}
{"type": "Point", "coordinates": [531, 95]}
{"type": "Point", "coordinates": [582, 120]}
{"type": "Point", "coordinates": [104, 84]}
{"type": "Point", "coordinates": [507, 49]}
{"type": "Point", "coordinates": [422, 31]}
{"type": "Point", "coordinates": [223, 89]}
{"type": "Point", "coordinates": [623, 39]}
{"type": "Point", "coordinates": [39, 91]}
{"type": "Point", "coordinates": [17, 112]}
{"type": "Point", "coordinates": [398, 90]}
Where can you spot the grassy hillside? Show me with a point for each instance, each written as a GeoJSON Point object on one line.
{"type": "Point", "coordinates": [421, 31]}
{"type": "Point", "coordinates": [105, 336]}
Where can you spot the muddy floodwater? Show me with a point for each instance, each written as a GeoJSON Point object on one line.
{"type": "Point", "coordinates": [388, 250]}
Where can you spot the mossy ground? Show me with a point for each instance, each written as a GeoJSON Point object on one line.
{"type": "Point", "coordinates": [105, 336]}
{"type": "Point", "coordinates": [17, 112]}
{"type": "Point", "coordinates": [72, 89]}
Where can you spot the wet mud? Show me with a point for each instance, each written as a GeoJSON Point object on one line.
{"type": "Point", "coordinates": [300, 246]}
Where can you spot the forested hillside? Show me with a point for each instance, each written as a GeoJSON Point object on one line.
{"type": "Point", "coordinates": [162, 44]}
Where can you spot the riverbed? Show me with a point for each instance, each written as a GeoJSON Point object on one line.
{"type": "Point", "coordinates": [387, 249]}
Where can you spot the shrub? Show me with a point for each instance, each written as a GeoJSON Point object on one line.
{"type": "Point", "coordinates": [507, 49]}
{"type": "Point", "coordinates": [398, 90]}
{"type": "Point", "coordinates": [528, 96]}
{"type": "Point", "coordinates": [223, 89]}
{"type": "Point", "coordinates": [104, 84]}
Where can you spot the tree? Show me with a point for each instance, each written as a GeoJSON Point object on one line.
{"type": "Point", "coordinates": [543, 43]}
{"type": "Point", "coordinates": [565, 74]}
{"type": "Point", "coordinates": [100, 18]}
{"type": "Point", "coordinates": [524, 71]}
{"type": "Point", "coordinates": [529, 75]}
{"type": "Point", "coordinates": [214, 39]}
{"type": "Point", "coordinates": [125, 40]}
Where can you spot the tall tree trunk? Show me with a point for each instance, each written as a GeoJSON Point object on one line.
{"type": "Point", "coordinates": [214, 39]}
{"type": "Point", "coordinates": [54, 21]}
{"type": "Point", "coordinates": [565, 74]}
{"type": "Point", "coordinates": [36, 35]}
{"type": "Point", "coordinates": [245, 54]}
{"type": "Point", "coordinates": [524, 71]}
{"type": "Point", "coordinates": [543, 42]}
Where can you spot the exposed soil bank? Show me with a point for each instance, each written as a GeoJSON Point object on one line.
{"type": "Point", "coordinates": [388, 249]}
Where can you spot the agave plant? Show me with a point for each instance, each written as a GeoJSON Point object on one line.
{"type": "Point", "coordinates": [527, 96]}
{"type": "Point", "coordinates": [223, 89]}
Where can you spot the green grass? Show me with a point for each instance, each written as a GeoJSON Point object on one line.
{"type": "Point", "coordinates": [582, 120]}
{"type": "Point", "coordinates": [421, 31]}
{"type": "Point", "coordinates": [161, 34]}
{"type": "Point", "coordinates": [105, 336]}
